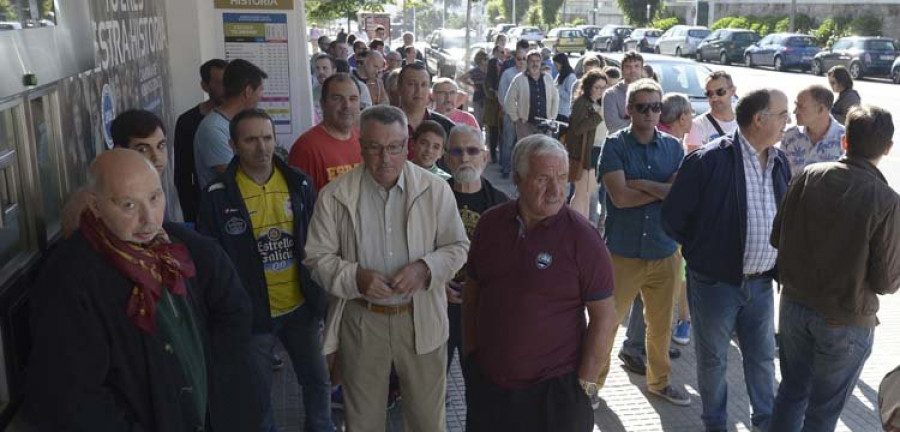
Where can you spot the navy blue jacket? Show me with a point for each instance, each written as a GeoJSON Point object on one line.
{"type": "Point", "coordinates": [224, 216]}
{"type": "Point", "coordinates": [706, 209]}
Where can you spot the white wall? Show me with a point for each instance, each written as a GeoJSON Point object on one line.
{"type": "Point", "coordinates": [184, 55]}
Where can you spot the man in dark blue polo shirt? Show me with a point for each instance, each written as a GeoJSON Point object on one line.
{"type": "Point", "coordinates": [638, 165]}
{"type": "Point", "coordinates": [534, 266]}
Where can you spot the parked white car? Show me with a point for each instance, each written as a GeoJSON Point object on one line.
{"type": "Point", "coordinates": [681, 40]}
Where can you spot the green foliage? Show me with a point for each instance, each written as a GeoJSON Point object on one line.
{"type": "Point", "coordinates": [866, 25]}
{"type": "Point", "coordinates": [7, 11]}
{"type": "Point", "coordinates": [635, 11]}
{"type": "Point", "coordinates": [804, 23]}
{"type": "Point", "coordinates": [665, 23]}
{"type": "Point", "coordinates": [831, 30]}
{"type": "Point", "coordinates": [764, 25]}
{"type": "Point", "coordinates": [550, 10]}
{"type": "Point", "coordinates": [327, 10]}
{"type": "Point", "coordinates": [578, 21]}
{"type": "Point", "coordinates": [534, 15]}
{"type": "Point", "coordinates": [521, 7]}
{"type": "Point", "coordinates": [494, 9]}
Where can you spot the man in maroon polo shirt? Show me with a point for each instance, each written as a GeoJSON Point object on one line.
{"type": "Point", "coordinates": [534, 266]}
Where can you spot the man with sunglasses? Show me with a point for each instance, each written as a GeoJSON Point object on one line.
{"type": "Point", "coordinates": [721, 210]}
{"type": "Point", "coordinates": [719, 120]}
{"type": "Point", "coordinates": [638, 165]}
{"type": "Point", "coordinates": [466, 158]}
{"type": "Point", "coordinates": [384, 241]}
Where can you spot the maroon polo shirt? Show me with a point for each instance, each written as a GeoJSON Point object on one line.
{"type": "Point", "coordinates": [533, 286]}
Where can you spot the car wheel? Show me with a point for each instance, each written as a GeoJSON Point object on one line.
{"type": "Point", "coordinates": [656, 49]}
{"type": "Point", "coordinates": [723, 58]}
{"type": "Point", "coordinates": [581, 52]}
{"type": "Point", "coordinates": [609, 46]}
{"type": "Point", "coordinates": [895, 76]}
{"type": "Point", "coordinates": [779, 65]}
{"type": "Point", "coordinates": [748, 61]}
{"type": "Point", "coordinates": [855, 71]}
{"type": "Point", "coordinates": [699, 56]}
{"type": "Point", "coordinates": [678, 52]}
{"type": "Point", "coordinates": [816, 67]}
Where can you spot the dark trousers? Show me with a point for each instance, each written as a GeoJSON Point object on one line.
{"type": "Point", "coordinates": [554, 404]}
{"type": "Point", "coordinates": [493, 133]}
{"type": "Point", "coordinates": [454, 343]}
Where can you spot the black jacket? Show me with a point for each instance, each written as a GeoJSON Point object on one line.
{"type": "Point", "coordinates": [92, 369]}
{"type": "Point", "coordinates": [222, 209]}
{"type": "Point", "coordinates": [706, 209]}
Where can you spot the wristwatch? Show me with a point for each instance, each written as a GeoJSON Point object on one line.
{"type": "Point", "coordinates": [590, 388]}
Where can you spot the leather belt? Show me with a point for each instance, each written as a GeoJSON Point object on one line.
{"type": "Point", "coordinates": [759, 275]}
{"type": "Point", "coordinates": [385, 309]}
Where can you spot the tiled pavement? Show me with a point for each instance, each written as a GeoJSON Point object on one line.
{"type": "Point", "coordinates": [628, 408]}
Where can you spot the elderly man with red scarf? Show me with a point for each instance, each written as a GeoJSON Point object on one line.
{"type": "Point", "coordinates": [138, 325]}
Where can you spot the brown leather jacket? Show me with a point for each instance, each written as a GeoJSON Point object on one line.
{"type": "Point", "coordinates": [838, 238]}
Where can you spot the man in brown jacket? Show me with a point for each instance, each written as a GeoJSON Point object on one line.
{"type": "Point", "coordinates": [838, 238]}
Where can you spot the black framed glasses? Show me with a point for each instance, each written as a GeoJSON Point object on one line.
{"type": "Point", "coordinates": [722, 91]}
{"type": "Point", "coordinates": [643, 108]}
{"type": "Point", "coordinates": [471, 151]}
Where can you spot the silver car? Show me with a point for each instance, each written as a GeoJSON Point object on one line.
{"type": "Point", "coordinates": [681, 40]}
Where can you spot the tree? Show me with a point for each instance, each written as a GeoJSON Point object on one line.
{"type": "Point", "coordinates": [635, 11]}
{"type": "Point", "coordinates": [327, 10]}
{"type": "Point", "coordinates": [550, 10]}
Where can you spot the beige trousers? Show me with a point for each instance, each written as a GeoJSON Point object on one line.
{"type": "Point", "coordinates": [370, 343]}
{"type": "Point", "coordinates": [655, 281]}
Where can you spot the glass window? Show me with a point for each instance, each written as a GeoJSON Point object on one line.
{"type": "Point", "coordinates": [698, 33]}
{"type": "Point", "coordinates": [880, 45]}
{"type": "Point", "coordinates": [744, 37]}
{"type": "Point", "coordinates": [47, 160]}
{"type": "Point", "coordinates": [682, 78]}
{"type": "Point", "coordinates": [12, 219]}
{"type": "Point", "coordinates": [841, 44]}
{"type": "Point", "coordinates": [25, 14]}
{"type": "Point", "coordinates": [801, 42]}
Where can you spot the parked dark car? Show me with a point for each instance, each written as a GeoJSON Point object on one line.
{"type": "Point", "coordinates": [642, 40]}
{"type": "Point", "coordinates": [610, 38]}
{"type": "Point", "coordinates": [782, 51]}
{"type": "Point", "coordinates": [589, 32]}
{"type": "Point", "coordinates": [861, 55]}
{"type": "Point", "coordinates": [726, 45]}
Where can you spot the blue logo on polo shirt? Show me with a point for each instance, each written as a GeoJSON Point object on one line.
{"type": "Point", "coordinates": [543, 260]}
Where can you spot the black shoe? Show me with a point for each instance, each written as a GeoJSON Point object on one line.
{"type": "Point", "coordinates": [674, 353]}
{"type": "Point", "coordinates": [633, 364]}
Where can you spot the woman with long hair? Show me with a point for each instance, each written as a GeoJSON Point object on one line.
{"type": "Point", "coordinates": [586, 130]}
{"type": "Point", "coordinates": [565, 81]}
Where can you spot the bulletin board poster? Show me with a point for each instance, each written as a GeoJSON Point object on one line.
{"type": "Point", "coordinates": [262, 39]}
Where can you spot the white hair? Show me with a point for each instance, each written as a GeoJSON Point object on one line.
{"type": "Point", "coordinates": [474, 134]}
{"type": "Point", "coordinates": [535, 145]}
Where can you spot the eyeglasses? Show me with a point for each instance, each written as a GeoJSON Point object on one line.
{"type": "Point", "coordinates": [376, 150]}
{"type": "Point", "coordinates": [471, 151]}
{"type": "Point", "coordinates": [644, 107]}
{"type": "Point", "coordinates": [722, 91]}
{"type": "Point", "coordinates": [520, 58]}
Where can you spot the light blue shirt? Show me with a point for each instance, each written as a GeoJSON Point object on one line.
{"type": "Point", "coordinates": [801, 151]}
{"type": "Point", "coordinates": [211, 147]}
{"type": "Point", "coordinates": [565, 95]}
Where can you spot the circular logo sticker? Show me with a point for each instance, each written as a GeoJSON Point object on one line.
{"type": "Point", "coordinates": [274, 234]}
{"type": "Point", "coordinates": [543, 260]}
{"type": "Point", "coordinates": [107, 113]}
{"type": "Point", "coordinates": [235, 226]}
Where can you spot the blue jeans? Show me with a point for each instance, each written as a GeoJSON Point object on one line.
{"type": "Point", "coordinates": [636, 333]}
{"type": "Point", "coordinates": [718, 309]}
{"type": "Point", "coordinates": [300, 332]}
{"type": "Point", "coordinates": [820, 364]}
{"type": "Point", "coordinates": [507, 143]}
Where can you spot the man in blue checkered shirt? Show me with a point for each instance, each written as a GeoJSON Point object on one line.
{"type": "Point", "coordinates": [721, 208]}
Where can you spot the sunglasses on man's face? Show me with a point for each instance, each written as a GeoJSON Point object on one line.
{"type": "Point", "coordinates": [718, 92]}
{"type": "Point", "coordinates": [643, 108]}
{"type": "Point", "coordinates": [471, 151]}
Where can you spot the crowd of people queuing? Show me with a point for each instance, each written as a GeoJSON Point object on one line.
{"type": "Point", "coordinates": [376, 250]}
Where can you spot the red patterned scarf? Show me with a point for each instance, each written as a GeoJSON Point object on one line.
{"type": "Point", "coordinates": [149, 266]}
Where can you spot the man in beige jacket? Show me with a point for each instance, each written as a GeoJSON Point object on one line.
{"type": "Point", "coordinates": [385, 240]}
{"type": "Point", "coordinates": [531, 95]}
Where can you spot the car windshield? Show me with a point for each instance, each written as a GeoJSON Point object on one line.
{"type": "Point", "coordinates": [455, 41]}
{"type": "Point", "coordinates": [652, 33]}
{"type": "Point", "coordinates": [880, 45]}
{"type": "Point", "coordinates": [531, 30]}
{"type": "Point", "coordinates": [698, 33]}
{"type": "Point", "coordinates": [801, 42]}
{"type": "Point", "coordinates": [744, 37]}
{"type": "Point", "coordinates": [684, 78]}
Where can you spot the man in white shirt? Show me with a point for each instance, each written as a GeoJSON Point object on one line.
{"type": "Point", "coordinates": [719, 120]}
